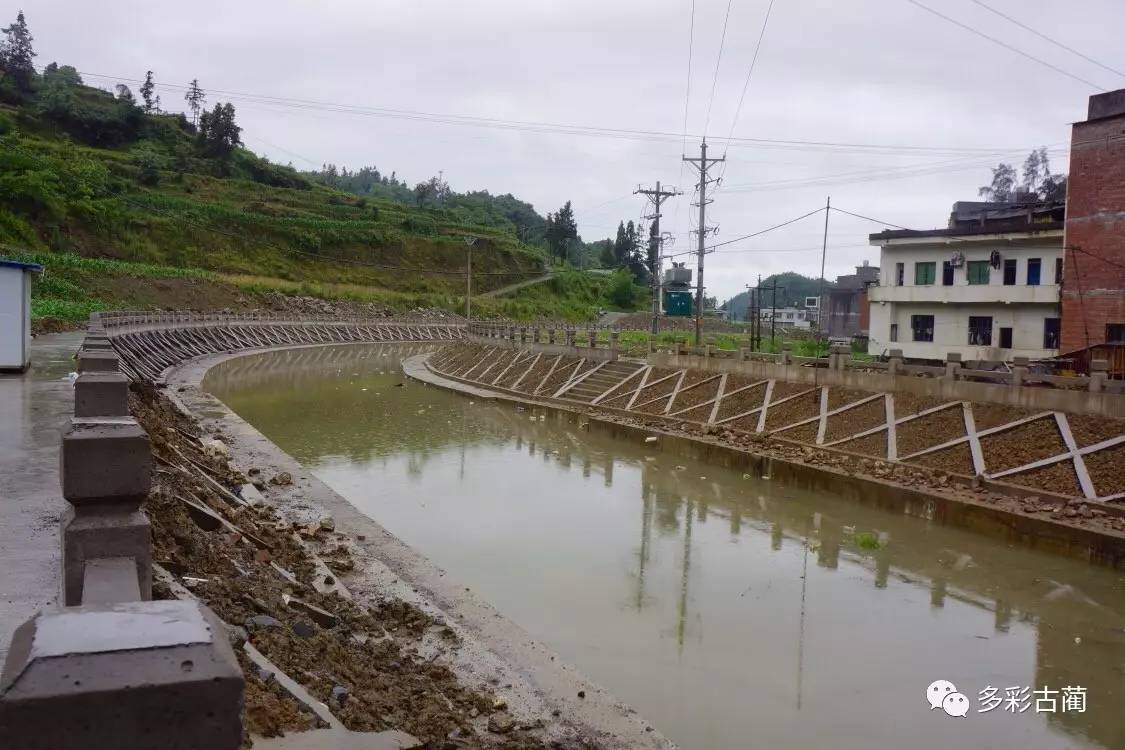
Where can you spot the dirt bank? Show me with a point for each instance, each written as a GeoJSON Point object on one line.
{"type": "Point", "coordinates": [376, 665]}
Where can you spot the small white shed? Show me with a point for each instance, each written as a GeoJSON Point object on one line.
{"type": "Point", "coordinates": [15, 314]}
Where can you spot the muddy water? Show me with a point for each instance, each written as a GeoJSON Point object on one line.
{"type": "Point", "coordinates": [731, 611]}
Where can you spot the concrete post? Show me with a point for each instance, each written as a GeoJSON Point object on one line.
{"type": "Point", "coordinates": [551, 335]}
{"type": "Point", "coordinates": [523, 334]}
{"type": "Point", "coordinates": [786, 354]}
{"type": "Point", "coordinates": [651, 345]}
{"type": "Point", "coordinates": [894, 362]}
{"type": "Point", "coordinates": [707, 350]}
{"type": "Point", "coordinates": [1019, 370]}
{"type": "Point", "coordinates": [570, 337]}
{"type": "Point", "coordinates": [592, 337]}
{"type": "Point", "coordinates": [129, 675]}
{"type": "Point", "coordinates": [512, 334]}
{"type": "Point", "coordinates": [952, 365]}
{"type": "Point", "coordinates": [614, 340]}
{"type": "Point", "coordinates": [105, 467]}
{"type": "Point", "coordinates": [101, 394]}
{"type": "Point", "coordinates": [1099, 370]}
{"type": "Point", "coordinates": [97, 361]}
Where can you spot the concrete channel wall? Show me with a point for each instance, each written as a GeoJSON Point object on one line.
{"type": "Point", "coordinates": [1010, 386]}
{"type": "Point", "coordinates": [109, 667]}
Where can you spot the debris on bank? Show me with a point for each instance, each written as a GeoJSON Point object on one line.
{"type": "Point", "coordinates": [366, 664]}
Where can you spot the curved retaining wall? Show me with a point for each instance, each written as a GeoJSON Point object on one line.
{"type": "Point", "coordinates": [148, 344]}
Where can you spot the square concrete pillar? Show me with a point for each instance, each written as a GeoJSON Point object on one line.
{"type": "Point", "coordinates": [1099, 370]}
{"type": "Point", "coordinates": [105, 461]}
{"type": "Point", "coordinates": [101, 394]}
{"type": "Point", "coordinates": [104, 532]}
{"type": "Point", "coordinates": [137, 676]}
{"type": "Point", "coordinates": [95, 361]}
{"type": "Point", "coordinates": [952, 365]}
{"type": "Point", "coordinates": [894, 362]}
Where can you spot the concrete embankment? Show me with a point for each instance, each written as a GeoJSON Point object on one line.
{"type": "Point", "coordinates": [1016, 514]}
{"type": "Point", "coordinates": [549, 701]}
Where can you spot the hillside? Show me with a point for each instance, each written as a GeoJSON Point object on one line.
{"type": "Point", "coordinates": [792, 288]}
{"type": "Point", "coordinates": [144, 209]}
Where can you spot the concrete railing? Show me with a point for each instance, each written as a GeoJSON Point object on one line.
{"type": "Point", "coordinates": [109, 667]}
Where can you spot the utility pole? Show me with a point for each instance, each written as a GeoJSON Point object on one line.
{"type": "Point", "coordinates": [657, 196]}
{"type": "Point", "coordinates": [752, 313]}
{"type": "Point", "coordinates": [702, 164]}
{"type": "Point", "coordinates": [773, 287]}
{"type": "Point", "coordinates": [469, 242]}
{"type": "Point", "coordinates": [820, 321]}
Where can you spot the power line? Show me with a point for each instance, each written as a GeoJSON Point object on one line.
{"type": "Point", "coordinates": [1043, 36]}
{"type": "Point", "coordinates": [1005, 45]}
{"type": "Point", "coordinates": [750, 72]}
{"type": "Point", "coordinates": [753, 234]}
{"type": "Point", "coordinates": [569, 129]}
{"type": "Point", "coordinates": [868, 218]}
{"type": "Point", "coordinates": [687, 94]}
{"type": "Point", "coordinates": [718, 59]}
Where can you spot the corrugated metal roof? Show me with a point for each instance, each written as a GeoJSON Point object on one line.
{"type": "Point", "coordinates": [32, 267]}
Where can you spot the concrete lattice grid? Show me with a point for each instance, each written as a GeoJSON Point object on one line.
{"type": "Point", "coordinates": [670, 396]}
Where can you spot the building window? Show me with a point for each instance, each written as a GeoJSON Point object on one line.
{"type": "Point", "coordinates": [924, 273]}
{"type": "Point", "coordinates": [894, 331]}
{"type": "Point", "coordinates": [1005, 338]}
{"type": "Point", "coordinates": [1051, 333]}
{"type": "Point", "coordinates": [1010, 272]}
{"type": "Point", "coordinates": [980, 331]}
{"type": "Point", "coordinates": [1034, 266]}
{"type": "Point", "coordinates": [922, 327]}
{"type": "Point", "coordinates": [900, 273]}
{"type": "Point", "coordinates": [1058, 270]}
{"type": "Point", "coordinates": [1115, 333]}
{"type": "Point", "coordinates": [977, 271]}
{"type": "Point", "coordinates": [946, 273]}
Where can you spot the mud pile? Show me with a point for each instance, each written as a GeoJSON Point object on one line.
{"type": "Point", "coordinates": [255, 571]}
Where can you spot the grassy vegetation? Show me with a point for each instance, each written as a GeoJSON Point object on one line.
{"type": "Point", "coordinates": [110, 200]}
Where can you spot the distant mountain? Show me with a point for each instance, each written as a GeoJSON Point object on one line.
{"type": "Point", "coordinates": [792, 290]}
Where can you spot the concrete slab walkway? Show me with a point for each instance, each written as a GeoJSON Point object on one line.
{"type": "Point", "coordinates": [33, 409]}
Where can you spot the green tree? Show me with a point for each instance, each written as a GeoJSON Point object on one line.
{"type": "Point", "coordinates": [1003, 184]}
{"type": "Point", "coordinates": [146, 93]}
{"type": "Point", "coordinates": [195, 97]}
{"type": "Point", "coordinates": [219, 134]}
{"type": "Point", "coordinates": [16, 53]}
{"type": "Point", "coordinates": [124, 94]}
{"type": "Point", "coordinates": [561, 230]}
{"type": "Point", "coordinates": [622, 293]}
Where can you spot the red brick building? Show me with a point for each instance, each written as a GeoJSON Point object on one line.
{"type": "Point", "coordinates": [1093, 289]}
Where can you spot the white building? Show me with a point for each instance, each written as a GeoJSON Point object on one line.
{"type": "Point", "coordinates": [789, 317]}
{"type": "Point", "coordinates": [15, 314]}
{"type": "Point", "coordinates": [987, 288]}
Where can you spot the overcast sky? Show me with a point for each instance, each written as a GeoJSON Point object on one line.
{"type": "Point", "coordinates": [881, 72]}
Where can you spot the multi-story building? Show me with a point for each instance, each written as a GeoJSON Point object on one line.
{"type": "Point", "coordinates": [1093, 302]}
{"type": "Point", "coordinates": [987, 287]}
{"type": "Point", "coordinates": [848, 309]}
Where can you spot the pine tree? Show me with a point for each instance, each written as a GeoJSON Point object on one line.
{"type": "Point", "coordinates": [16, 53]}
{"type": "Point", "coordinates": [146, 93]}
{"type": "Point", "coordinates": [195, 97]}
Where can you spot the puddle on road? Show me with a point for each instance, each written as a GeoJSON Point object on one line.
{"type": "Point", "coordinates": [732, 612]}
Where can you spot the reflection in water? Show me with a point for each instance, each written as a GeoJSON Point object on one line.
{"type": "Point", "coordinates": [733, 611]}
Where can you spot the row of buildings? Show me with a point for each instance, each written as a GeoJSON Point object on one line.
{"type": "Point", "coordinates": [1034, 279]}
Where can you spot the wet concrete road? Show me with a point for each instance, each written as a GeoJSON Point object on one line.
{"type": "Point", "coordinates": [732, 611]}
{"type": "Point", "coordinates": [33, 409]}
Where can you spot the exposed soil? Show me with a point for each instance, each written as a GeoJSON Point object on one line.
{"type": "Point", "coordinates": [930, 430]}
{"type": "Point", "coordinates": [562, 373]}
{"type": "Point", "coordinates": [957, 459]}
{"type": "Point", "coordinates": [806, 433]}
{"type": "Point", "coordinates": [657, 390]}
{"type": "Point", "coordinates": [802, 407]}
{"type": "Point", "coordinates": [42, 326]}
{"type": "Point", "coordinates": [1022, 445]}
{"type": "Point", "coordinates": [994, 415]}
{"type": "Point", "coordinates": [741, 402]}
{"type": "Point", "coordinates": [696, 395]}
{"type": "Point", "coordinates": [1059, 477]}
{"type": "Point", "coordinates": [856, 420]}
{"type": "Point", "coordinates": [1090, 430]}
{"type": "Point", "coordinates": [1107, 470]}
{"type": "Point", "coordinates": [535, 376]}
{"type": "Point", "coordinates": [698, 414]}
{"type": "Point", "coordinates": [255, 571]}
{"type": "Point", "coordinates": [518, 368]}
{"type": "Point", "coordinates": [838, 397]}
{"type": "Point", "coordinates": [870, 445]}
{"type": "Point", "coordinates": [907, 404]}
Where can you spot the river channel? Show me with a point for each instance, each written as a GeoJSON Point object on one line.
{"type": "Point", "coordinates": [731, 611]}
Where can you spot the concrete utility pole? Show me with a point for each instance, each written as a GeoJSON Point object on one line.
{"type": "Point", "coordinates": [702, 163]}
{"type": "Point", "coordinates": [655, 243]}
{"type": "Point", "coordinates": [469, 242]}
